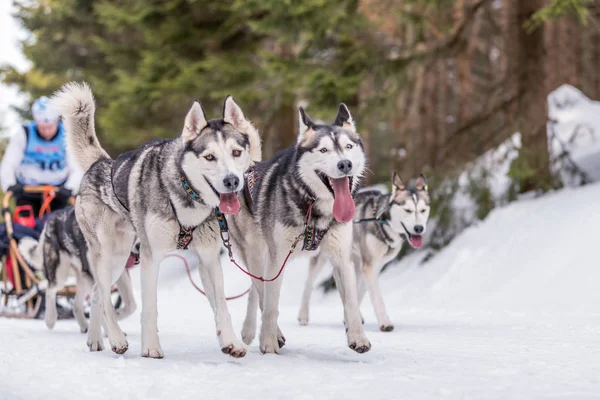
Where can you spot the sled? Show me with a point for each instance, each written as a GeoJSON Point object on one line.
{"type": "Point", "coordinates": [22, 294]}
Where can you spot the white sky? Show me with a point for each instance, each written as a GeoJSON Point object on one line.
{"type": "Point", "coordinates": [10, 53]}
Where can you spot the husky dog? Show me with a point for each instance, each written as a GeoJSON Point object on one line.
{"type": "Point", "coordinates": [306, 189]}
{"type": "Point", "coordinates": [385, 222]}
{"type": "Point", "coordinates": [60, 248]}
{"type": "Point", "coordinates": [165, 193]}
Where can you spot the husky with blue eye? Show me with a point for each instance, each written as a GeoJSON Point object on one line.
{"type": "Point", "coordinates": [167, 193]}
{"type": "Point", "coordinates": [384, 223]}
{"type": "Point", "coordinates": [308, 190]}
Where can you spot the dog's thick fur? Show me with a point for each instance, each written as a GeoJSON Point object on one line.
{"type": "Point", "coordinates": [146, 197]}
{"type": "Point", "coordinates": [403, 216]}
{"type": "Point", "coordinates": [60, 250]}
{"type": "Point", "coordinates": [324, 157]}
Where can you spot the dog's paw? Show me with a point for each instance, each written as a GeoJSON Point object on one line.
{"type": "Point", "coordinates": [248, 335]}
{"type": "Point", "coordinates": [50, 320]}
{"type": "Point", "coordinates": [303, 317]}
{"type": "Point", "coordinates": [95, 345]}
{"type": "Point", "coordinates": [360, 344]}
{"type": "Point", "coordinates": [119, 346]}
{"type": "Point", "coordinates": [280, 338]}
{"type": "Point", "coordinates": [155, 352]}
{"type": "Point", "coordinates": [269, 344]}
{"type": "Point", "coordinates": [236, 350]}
{"type": "Point", "coordinates": [83, 329]}
{"type": "Point", "coordinates": [386, 328]}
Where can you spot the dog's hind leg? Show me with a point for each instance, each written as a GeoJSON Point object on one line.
{"type": "Point", "coordinates": [104, 273]}
{"type": "Point", "coordinates": [126, 293]}
{"type": "Point", "coordinates": [372, 278]}
{"type": "Point", "coordinates": [211, 272]}
{"type": "Point", "coordinates": [249, 327]}
{"type": "Point", "coordinates": [94, 336]}
{"type": "Point", "coordinates": [254, 260]}
{"type": "Point", "coordinates": [83, 285]}
{"type": "Point", "coordinates": [56, 282]}
{"type": "Point", "coordinates": [315, 267]}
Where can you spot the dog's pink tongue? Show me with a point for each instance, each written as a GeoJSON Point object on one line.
{"type": "Point", "coordinates": [416, 241]}
{"type": "Point", "coordinates": [130, 261]}
{"type": "Point", "coordinates": [229, 203]}
{"type": "Point", "coordinates": [343, 205]}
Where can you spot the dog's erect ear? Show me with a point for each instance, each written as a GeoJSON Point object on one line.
{"type": "Point", "coordinates": [344, 118]}
{"type": "Point", "coordinates": [421, 183]}
{"type": "Point", "coordinates": [232, 114]}
{"type": "Point", "coordinates": [397, 185]}
{"type": "Point", "coordinates": [195, 121]}
{"type": "Point", "coordinates": [305, 125]}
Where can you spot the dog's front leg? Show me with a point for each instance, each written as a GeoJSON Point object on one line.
{"type": "Point", "coordinates": [211, 272]}
{"type": "Point", "coordinates": [150, 263]}
{"type": "Point", "coordinates": [271, 338]}
{"type": "Point", "coordinates": [339, 246]}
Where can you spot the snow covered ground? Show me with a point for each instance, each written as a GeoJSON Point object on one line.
{"type": "Point", "coordinates": [509, 310]}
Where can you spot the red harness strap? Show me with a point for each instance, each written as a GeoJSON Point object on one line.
{"type": "Point", "coordinates": [226, 242]}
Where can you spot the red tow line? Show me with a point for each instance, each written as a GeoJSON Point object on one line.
{"type": "Point", "coordinates": [189, 273]}
{"type": "Point", "coordinates": [227, 244]}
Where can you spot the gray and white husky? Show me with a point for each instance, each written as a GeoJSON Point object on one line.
{"type": "Point", "coordinates": [385, 222]}
{"type": "Point", "coordinates": [62, 249]}
{"type": "Point", "coordinates": [166, 193]}
{"type": "Point", "coordinates": [315, 178]}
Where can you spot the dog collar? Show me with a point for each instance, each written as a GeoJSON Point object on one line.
{"type": "Point", "coordinates": [190, 191]}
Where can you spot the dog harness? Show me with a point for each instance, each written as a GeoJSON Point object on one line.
{"type": "Point", "coordinates": [186, 233]}
{"type": "Point", "coordinates": [312, 235]}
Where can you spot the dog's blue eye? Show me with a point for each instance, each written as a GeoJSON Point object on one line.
{"type": "Point", "coordinates": [349, 146]}
{"type": "Point", "coordinates": [209, 157]}
{"type": "Point", "coordinates": [323, 150]}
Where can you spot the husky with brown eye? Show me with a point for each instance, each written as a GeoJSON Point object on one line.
{"type": "Point", "coordinates": [167, 193]}
{"type": "Point", "coordinates": [307, 189]}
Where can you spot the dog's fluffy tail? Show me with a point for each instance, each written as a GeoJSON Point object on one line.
{"type": "Point", "coordinates": [75, 102]}
{"type": "Point", "coordinates": [31, 250]}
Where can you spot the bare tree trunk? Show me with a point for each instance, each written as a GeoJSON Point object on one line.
{"type": "Point", "coordinates": [534, 166]}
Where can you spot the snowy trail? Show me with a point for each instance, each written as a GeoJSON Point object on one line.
{"type": "Point", "coordinates": [510, 310]}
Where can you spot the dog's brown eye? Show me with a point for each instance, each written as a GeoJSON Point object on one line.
{"type": "Point", "coordinates": [423, 211]}
{"type": "Point", "coordinates": [323, 150]}
{"type": "Point", "coordinates": [408, 211]}
{"type": "Point", "coordinates": [349, 146]}
{"type": "Point", "coordinates": [236, 153]}
{"type": "Point", "coordinates": [209, 157]}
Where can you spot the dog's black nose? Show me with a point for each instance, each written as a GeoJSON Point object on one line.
{"type": "Point", "coordinates": [419, 229]}
{"type": "Point", "coordinates": [231, 182]}
{"type": "Point", "coordinates": [345, 166]}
